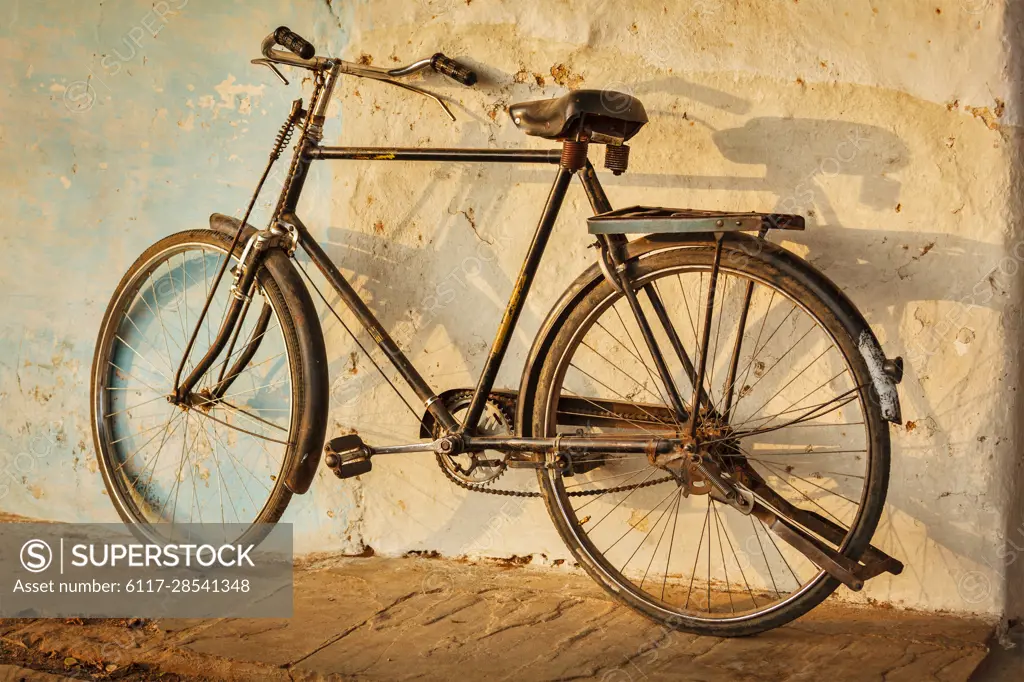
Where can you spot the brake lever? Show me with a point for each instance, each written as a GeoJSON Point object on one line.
{"type": "Point", "coordinates": [385, 77]}
{"type": "Point", "coordinates": [421, 91]}
{"type": "Point", "coordinates": [269, 64]}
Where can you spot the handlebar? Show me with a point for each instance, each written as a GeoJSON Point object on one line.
{"type": "Point", "coordinates": [302, 53]}
{"type": "Point", "coordinates": [451, 68]}
{"type": "Point", "coordinates": [290, 40]}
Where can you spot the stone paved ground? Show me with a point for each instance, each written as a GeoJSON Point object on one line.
{"type": "Point", "coordinates": [432, 619]}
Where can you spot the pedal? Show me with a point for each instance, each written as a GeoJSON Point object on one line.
{"type": "Point", "coordinates": [347, 456]}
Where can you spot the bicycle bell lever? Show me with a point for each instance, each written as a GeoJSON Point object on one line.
{"type": "Point", "coordinates": [269, 64]}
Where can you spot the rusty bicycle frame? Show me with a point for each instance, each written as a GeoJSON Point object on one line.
{"type": "Point", "coordinates": [287, 231]}
{"type": "Point", "coordinates": [287, 228]}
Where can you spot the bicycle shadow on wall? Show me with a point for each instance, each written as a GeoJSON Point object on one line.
{"type": "Point", "coordinates": [887, 273]}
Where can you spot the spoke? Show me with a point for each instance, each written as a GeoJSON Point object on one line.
{"type": "Point", "coordinates": [808, 498]}
{"type": "Point", "coordinates": [234, 465]}
{"type": "Point", "coordinates": [617, 394]}
{"type": "Point", "coordinates": [631, 528]}
{"type": "Point", "coordinates": [790, 382]}
{"type": "Point", "coordinates": [750, 363]}
{"type": "Point", "coordinates": [174, 289]}
{"type": "Point", "coordinates": [159, 451]}
{"type": "Point", "coordinates": [241, 349]}
{"type": "Point", "coordinates": [194, 504]}
{"type": "Point", "coordinates": [133, 407]}
{"type": "Point", "coordinates": [775, 364]}
{"type": "Point", "coordinates": [739, 565]}
{"type": "Point", "coordinates": [607, 478]}
{"type": "Point", "coordinates": [628, 495]}
{"type": "Point", "coordinates": [721, 549]}
{"type": "Point", "coordinates": [705, 337]}
{"type": "Point", "coordinates": [238, 393]}
{"type": "Point", "coordinates": [672, 505]}
{"type": "Point", "coordinates": [160, 319]}
{"type": "Point", "coordinates": [696, 558]}
{"type": "Point", "coordinates": [127, 373]}
{"type": "Point", "coordinates": [155, 368]}
{"type": "Point", "coordinates": [647, 369]}
{"type": "Point", "coordinates": [781, 555]}
{"type": "Point", "coordinates": [757, 350]}
{"type": "Point", "coordinates": [244, 413]}
{"type": "Point", "coordinates": [658, 304]}
{"type": "Point", "coordinates": [621, 371]}
{"type": "Point", "coordinates": [790, 473]}
{"type": "Point", "coordinates": [718, 331]}
{"type": "Point", "coordinates": [139, 433]}
{"type": "Point", "coordinates": [671, 543]}
{"type": "Point", "coordinates": [730, 379]}
{"type": "Point", "coordinates": [595, 498]}
{"type": "Point", "coordinates": [766, 563]}
{"type": "Point", "coordinates": [151, 439]}
{"type": "Point", "coordinates": [177, 478]}
{"type": "Point", "coordinates": [222, 486]}
{"type": "Point", "coordinates": [238, 428]}
{"type": "Point", "coordinates": [686, 303]}
{"type": "Point", "coordinates": [206, 288]}
{"type": "Point", "coordinates": [767, 420]}
{"type": "Point", "coordinates": [142, 336]}
{"type": "Point", "coordinates": [812, 413]}
{"type": "Point", "coordinates": [797, 453]}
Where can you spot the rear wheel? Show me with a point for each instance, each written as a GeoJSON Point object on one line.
{"type": "Point", "coordinates": [792, 410]}
{"type": "Point", "coordinates": [219, 461]}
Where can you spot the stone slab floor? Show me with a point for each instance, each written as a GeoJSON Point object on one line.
{"type": "Point", "coordinates": [433, 619]}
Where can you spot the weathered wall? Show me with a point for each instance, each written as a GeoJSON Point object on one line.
{"type": "Point", "coordinates": [892, 126]}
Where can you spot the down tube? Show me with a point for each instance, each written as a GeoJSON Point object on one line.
{"type": "Point", "coordinates": [371, 324]}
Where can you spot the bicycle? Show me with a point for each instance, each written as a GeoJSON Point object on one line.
{"type": "Point", "coordinates": [631, 419]}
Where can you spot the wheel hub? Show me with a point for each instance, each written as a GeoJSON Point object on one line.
{"type": "Point", "coordinates": [699, 461]}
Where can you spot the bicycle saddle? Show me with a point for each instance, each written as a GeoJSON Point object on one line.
{"type": "Point", "coordinates": [601, 116]}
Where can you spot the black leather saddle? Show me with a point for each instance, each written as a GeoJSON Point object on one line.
{"type": "Point", "coordinates": [599, 116]}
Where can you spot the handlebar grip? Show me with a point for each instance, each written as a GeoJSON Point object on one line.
{"type": "Point", "coordinates": [292, 41]}
{"type": "Point", "coordinates": [451, 68]}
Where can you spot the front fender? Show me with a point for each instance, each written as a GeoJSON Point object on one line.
{"type": "Point", "coordinates": [882, 379]}
{"type": "Point", "coordinates": [304, 458]}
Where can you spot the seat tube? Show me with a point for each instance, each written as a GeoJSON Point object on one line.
{"type": "Point", "coordinates": [518, 297]}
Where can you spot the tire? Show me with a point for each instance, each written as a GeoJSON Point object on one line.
{"type": "Point", "coordinates": [301, 346]}
{"type": "Point", "coordinates": [770, 267]}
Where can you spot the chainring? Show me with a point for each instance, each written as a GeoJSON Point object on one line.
{"type": "Point", "coordinates": [471, 468]}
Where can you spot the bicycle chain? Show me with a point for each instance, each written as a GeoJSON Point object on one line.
{"type": "Point", "coordinates": [521, 493]}
{"type": "Point", "coordinates": [507, 406]}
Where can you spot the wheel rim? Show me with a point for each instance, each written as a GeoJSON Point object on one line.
{"type": "Point", "coordinates": [218, 462]}
{"type": "Point", "coordinates": [743, 574]}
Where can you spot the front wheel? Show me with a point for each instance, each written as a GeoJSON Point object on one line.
{"type": "Point", "coordinates": [222, 457]}
{"type": "Point", "coordinates": [787, 405]}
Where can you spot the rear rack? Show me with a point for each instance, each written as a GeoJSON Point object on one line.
{"type": "Point", "coordinates": [649, 219]}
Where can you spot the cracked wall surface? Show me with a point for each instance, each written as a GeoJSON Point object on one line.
{"type": "Point", "coordinates": [892, 126]}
